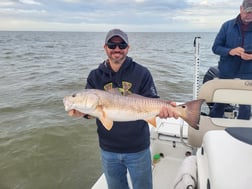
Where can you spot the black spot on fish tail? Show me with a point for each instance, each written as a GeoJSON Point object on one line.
{"type": "Point", "coordinates": [192, 111]}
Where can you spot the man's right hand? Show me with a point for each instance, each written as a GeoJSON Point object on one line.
{"type": "Point", "coordinates": [75, 113]}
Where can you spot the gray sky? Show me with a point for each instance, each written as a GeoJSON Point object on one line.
{"type": "Point", "coordinates": [129, 15]}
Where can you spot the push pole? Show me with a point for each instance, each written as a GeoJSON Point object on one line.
{"type": "Point", "coordinates": [195, 84]}
{"type": "Point", "coordinates": [196, 68]}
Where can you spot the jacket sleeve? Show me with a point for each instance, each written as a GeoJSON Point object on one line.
{"type": "Point", "coordinates": [90, 84]}
{"type": "Point", "coordinates": [148, 88]}
{"type": "Point", "coordinates": [219, 47]}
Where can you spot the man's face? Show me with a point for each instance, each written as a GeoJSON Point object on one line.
{"type": "Point", "coordinates": [116, 50]}
{"type": "Point", "coordinates": [246, 17]}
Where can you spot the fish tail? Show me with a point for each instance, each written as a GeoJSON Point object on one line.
{"type": "Point", "coordinates": [191, 112]}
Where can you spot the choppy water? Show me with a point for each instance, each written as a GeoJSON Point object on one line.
{"type": "Point", "coordinates": [40, 146]}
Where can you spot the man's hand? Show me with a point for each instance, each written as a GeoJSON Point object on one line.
{"type": "Point", "coordinates": [246, 56]}
{"type": "Point", "coordinates": [75, 113]}
{"type": "Point", "coordinates": [238, 51]}
{"type": "Point", "coordinates": [168, 112]}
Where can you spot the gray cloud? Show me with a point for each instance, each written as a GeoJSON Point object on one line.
{"type": "Point", "coordinates": [139, 13]}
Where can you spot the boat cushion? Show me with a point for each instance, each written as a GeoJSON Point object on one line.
{"type": "Point", "coordinates": [241, 133]}
{"type": "Point", "coordinates": [226, 161]}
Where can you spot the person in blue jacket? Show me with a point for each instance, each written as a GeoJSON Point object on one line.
{"type": "Point", "coordinates": [126, 145]}
{"type": "Point", "coordinates": [234, 45]}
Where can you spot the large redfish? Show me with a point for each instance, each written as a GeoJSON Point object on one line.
{"type": "Point", "coordinates": [111, 106]}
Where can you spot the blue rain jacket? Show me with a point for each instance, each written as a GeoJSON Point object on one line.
{"type": "Point", "coordinates": [229, 37]}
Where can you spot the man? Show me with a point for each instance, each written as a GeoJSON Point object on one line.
{"type": "Point", "coordinates": [126, 145]}
{"type": "Point", "coordinates": [234, 45]}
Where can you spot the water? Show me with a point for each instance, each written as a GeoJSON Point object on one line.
{"type": "Point", "coordinates": [43, 148]}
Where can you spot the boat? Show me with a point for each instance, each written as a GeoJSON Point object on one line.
{"type": "Point", "coordinates": [217, 156]}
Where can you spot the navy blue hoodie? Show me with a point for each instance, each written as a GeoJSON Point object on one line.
{"type": "Point", "coordinates": [124, 137]}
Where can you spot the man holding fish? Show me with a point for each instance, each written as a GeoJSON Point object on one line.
{"type": "Point", "coordinates": [123, 136]}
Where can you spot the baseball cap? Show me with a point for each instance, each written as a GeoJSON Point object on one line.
{"type": "Point", "coordinates": [116, 32]}
{"type": "Point", "coordinates": [247, 5]}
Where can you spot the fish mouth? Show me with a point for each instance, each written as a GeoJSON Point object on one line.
{"type": "Point", "coordinates": [67, 104]}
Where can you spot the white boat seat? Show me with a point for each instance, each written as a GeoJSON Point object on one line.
{"type": "Point", "coordinates": [217, 156]}
{"type": "Point", "coordinates": [242, 134]}
{"type": "Point", "coordinates": [207, 124]}
{"type": "Point", "coordinates": [232, 91]}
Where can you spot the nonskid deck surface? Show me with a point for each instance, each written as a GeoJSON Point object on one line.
{"type": "Point", "coordinates": [165, 172]}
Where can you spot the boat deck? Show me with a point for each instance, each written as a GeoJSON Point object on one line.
{"type": "Point", "coordinates": [164, 140]}
{"type": "Point", "coordinates": [163, 179]}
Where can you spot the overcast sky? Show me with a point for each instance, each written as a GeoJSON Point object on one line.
{"type": "Point", "coordinates": [129, 15]}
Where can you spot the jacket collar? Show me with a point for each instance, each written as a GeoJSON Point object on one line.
{"type": "Point", "coordinates": [239, 22]}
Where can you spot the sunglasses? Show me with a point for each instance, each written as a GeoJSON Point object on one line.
{"type": "Point", "coordinates": [114, 45]}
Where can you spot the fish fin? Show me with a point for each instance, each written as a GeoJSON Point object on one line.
{"type": "Point", "coordinates": [191, 112]}
{"type": "Point", "coordinates": [107, 123]}
{"type": "Point", "coordinates": [119, 91]}
{"type": "Point", "coordinates": [152, 121]}
{"type": "Point", "coordinates": [114, 91]}
{"type": "Point", "coordinates": [136, 95]}
{"type": "Point", "coordinates": [122, 92]}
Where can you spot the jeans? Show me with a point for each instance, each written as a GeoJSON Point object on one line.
{"type": "Point", "coordinates": [219, 108]}
{"type": "Point", "coordinates": [115, 166]}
